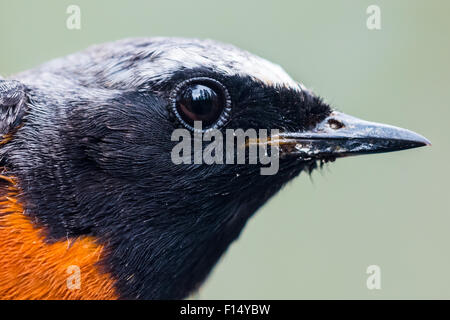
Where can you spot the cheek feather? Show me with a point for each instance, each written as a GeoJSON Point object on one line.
{"type": "Point", "coordinates": [34, 269]}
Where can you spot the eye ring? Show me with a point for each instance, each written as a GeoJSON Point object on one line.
{"type": "Point", "coordinates": [216, 87]}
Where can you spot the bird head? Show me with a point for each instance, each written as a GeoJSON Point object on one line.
{"type": "Point", "coordinates": [93, 146]}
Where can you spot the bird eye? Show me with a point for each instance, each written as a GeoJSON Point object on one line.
{"type": "Point", "coordinates": [201, 99]}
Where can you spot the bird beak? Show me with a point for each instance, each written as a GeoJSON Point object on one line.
{"type": "Point", "coordinates": [340, 135]}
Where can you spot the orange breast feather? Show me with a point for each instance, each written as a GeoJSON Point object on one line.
{"type": "Point", "coordinates": [31, 268]}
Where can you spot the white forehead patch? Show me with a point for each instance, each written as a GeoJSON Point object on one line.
{"type": "Point", "coordinates": [172, 55]}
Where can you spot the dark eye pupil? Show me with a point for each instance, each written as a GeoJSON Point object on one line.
{"type": "Point", "coordinates": [198, 102]}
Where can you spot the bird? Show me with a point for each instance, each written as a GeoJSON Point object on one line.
{"type": "Point", "coordinates": [89, 194]}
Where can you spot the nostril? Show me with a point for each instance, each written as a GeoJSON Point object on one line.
{"type": "Point", "coordinates": [334, 124]}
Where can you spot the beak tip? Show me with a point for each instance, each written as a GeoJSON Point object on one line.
{"type": "Point", "coordinates": [424, 142]}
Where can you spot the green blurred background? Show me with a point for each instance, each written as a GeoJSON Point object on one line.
{"type": "Point", "coordinates": [316, 238]}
